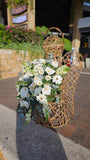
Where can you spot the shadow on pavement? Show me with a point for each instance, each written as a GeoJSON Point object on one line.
{"type": "Point", "coordinates": [36, 142]}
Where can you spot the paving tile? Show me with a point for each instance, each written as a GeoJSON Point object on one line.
{"type": "Point", "coordinates": [85, 116]}
{"type": "Point", "coordinates": [79, 136]}
{"type": "Point", "coordinates": [68, 130]}
{"type": "Point", "coordinates": [86, 141]}
{"type": "Point", "coordinates": [78, 128]}
{"type": "Point", "coordinates": [79, 123]}
{"type": "Point", "coordinates": [8, 92]}
{"type": "Point", "coordinates": [78, 108]}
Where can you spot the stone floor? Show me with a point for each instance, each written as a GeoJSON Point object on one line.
{"type": "Point", "coordinates": [78, 129]}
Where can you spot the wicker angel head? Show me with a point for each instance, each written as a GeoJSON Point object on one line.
{"type": "Point", "coordinates": [53, 44]}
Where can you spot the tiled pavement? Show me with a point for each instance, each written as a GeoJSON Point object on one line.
{"type": "Point", "coordinates": [78, 128]}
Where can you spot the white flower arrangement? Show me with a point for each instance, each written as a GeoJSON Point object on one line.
{"type": "Point", "coordinates": [39, 85]}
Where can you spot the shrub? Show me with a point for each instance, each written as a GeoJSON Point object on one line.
{"type": "Point", "coordinates": [41, 30]}
{"type": "Point", "coordinates": [19, 34]}
{"type": "Point", "coordinates": [16, 34]}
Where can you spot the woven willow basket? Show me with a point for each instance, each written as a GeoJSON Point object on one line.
{"type": "Point", "coordinates": [62, 112]}
{"type": "Point", "coordinates": [53, 44]}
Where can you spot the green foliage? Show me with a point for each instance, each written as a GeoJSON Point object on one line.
{"type": "Point", "coordinates": [2, 27]}
{"type": "Point", "coordinates": [28, 116]}
{"type": "Point", "coordinates": [67, 44]}
{"type": "Point", "coordinates": [41, 30]}
{"type": "Point", "coordinates": [51, 98]}
{"type": "Point", "coordinates": [17, 2]}
{"type": "Point", "coordinates": [62, 70]}
{"type": "Point", "coordinates": [21, 34]}
{"type": "Point", "coordinates": [10, 34]}
{"type": "Point", "coordinates": [19, 38]}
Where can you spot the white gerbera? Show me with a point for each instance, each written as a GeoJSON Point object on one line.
{"type": "Point", "coordinates": [31, 87]}
{"type": "Point", "coordinates": [50, 71]}
{"type": "Point", "coordinates": [42, 98]}
{"type": "Point", "coordinates": [24, 103]}
{"type": "Point", "coordinates": [47, 85]}
{"type": "Point", "coordinates": [57, 79]}
{"type": "Point", "coordinates": [24, 92]}
{"type": "Point", "coordinates": [33, 83]}
{"type": "Point", "coordinates": [41, 72]}
{"type": "Point", "coordinates": [54, 64]}
{"type": "Point", "coordinates": [35, 68]}
{"type": "Point", "coordinates": [37, 81]}
{"type": "Point", "coordinates": [40, 68]}
{"type": "Point", "coordinates": [42, 60]}
{"type": "Point", "coordinates": [46, 90]}
{"type": "Point", "coordinates": [48, 78]}
{"type": "Point", "coordinates": [29, 74]}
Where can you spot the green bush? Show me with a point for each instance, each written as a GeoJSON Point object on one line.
{"type": "Point", "coordinates": [67, 44]}
{"type": "Point", "coordinates": [2, 27]}
{"type": "Point", "coordinates": [42, 30]}
{"type": "Point", "coordinates": [19, 34]}
{"type": "Point", "coordinates": [11, 35]}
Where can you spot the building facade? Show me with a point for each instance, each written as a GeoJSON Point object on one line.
{"type": "Point", "coordinates": [62, 14]}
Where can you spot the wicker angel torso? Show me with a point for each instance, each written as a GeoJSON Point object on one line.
{"type": "Point", "coordinates": [61, 112]}
{"type": "Point", "coordinates": [54, 45]}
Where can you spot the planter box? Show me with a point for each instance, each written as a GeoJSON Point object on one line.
{"type": "Point", "coordinates": [11, 61]}
{"type": "Point", "coordinates": [88, 62]}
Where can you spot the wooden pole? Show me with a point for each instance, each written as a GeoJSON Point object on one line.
{"type": "Point", "coordinates": [31, 14]}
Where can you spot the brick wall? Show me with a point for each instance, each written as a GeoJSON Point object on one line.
{"type": "Point", "coordinates": [11, 62]}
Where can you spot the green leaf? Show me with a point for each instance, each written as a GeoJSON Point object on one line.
{"type": "Point", "coordinates": [46, 117]}
{"type": "Point", "coordinates": [28, 116]}
{"type": "Point", "coordinates": [67, 44]}
{"type": "Point", "coordinates": [51, 98]}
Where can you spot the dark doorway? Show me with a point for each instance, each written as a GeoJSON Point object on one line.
{"type": "Point", "coordinates": [3, 12]}
{"type": "Point", "coordinates": [53, 13]}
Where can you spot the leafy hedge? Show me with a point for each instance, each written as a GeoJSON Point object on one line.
{"type": "Point", "coordinates": [9, 35]}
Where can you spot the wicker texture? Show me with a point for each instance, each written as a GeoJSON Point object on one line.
{"type": "Point", "coordinates": [64, 110]}
{"type": "Point", "coordinates": [53, 44]}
